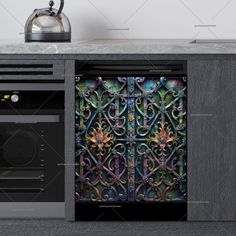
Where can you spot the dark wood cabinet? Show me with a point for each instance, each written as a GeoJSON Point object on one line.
{"type": "Point", "coordinates": [211, 140]}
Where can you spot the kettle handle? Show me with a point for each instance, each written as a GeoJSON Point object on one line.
{"type": "Point", "coordinates": [61, 8]}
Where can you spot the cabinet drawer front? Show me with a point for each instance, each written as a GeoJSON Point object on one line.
{"type": "Point", "coordinates": [31, 69]}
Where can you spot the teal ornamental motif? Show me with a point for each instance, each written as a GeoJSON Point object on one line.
{"type": "Point", "coordinates": [131, 139]}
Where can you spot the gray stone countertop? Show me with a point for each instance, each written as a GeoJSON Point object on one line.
{"type": "Point", "coordinates": [116, 46]}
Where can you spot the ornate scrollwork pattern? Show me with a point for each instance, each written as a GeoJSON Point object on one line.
{"type": "Point", "coordinates": [131, 139]}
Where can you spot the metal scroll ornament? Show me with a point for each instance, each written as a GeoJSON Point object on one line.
{"type": "Point", "coordinates": [131, 139]}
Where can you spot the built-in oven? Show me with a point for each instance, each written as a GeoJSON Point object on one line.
{"type": "Point", "coordinates": [32, 146]}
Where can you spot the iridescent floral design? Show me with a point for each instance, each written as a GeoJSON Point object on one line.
{"type": "Point", "coordinates": [131, 137]}
{"type": "Point", "coordinates": [100, 139]}
{"type": "Point", "coordinates": [162, 138]}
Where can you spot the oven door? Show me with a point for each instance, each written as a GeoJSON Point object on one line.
{"type": "Point", "coordinates": [31, 158]}
{"type": "Point", "coordinates": [32, 149]}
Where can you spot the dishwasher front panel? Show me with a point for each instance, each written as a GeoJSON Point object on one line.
{"type": "Point", "coordinates": [131, 156]}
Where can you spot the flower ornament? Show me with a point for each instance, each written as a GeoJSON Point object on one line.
{"type": "Point", "coordinates": [162, 138]}
{"type": "Point", "coordinates": [100, 139]}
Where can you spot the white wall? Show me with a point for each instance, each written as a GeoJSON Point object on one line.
{"type": "Point", "coordinates": [138, 18]}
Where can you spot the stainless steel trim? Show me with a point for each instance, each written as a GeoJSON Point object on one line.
{"type": "Point", "coordinates": [31, 86]}
{"type": "Point", "coordinates": [24, 119]}
{"type": "Point", "coordinates": [32, 210]}
{"type": "Point", "coordinates": [70, 140]}
{"type": "Point", "coordinates": [11, 174]}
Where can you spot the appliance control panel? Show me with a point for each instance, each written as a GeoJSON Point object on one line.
{"type": "Point", "coordinates": [31, 100]}
{"type": "Point", "coordinates": [10, 97]}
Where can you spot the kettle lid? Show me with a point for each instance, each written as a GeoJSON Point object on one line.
{"type": "Point", "coordinates": [50, 10]}
{"type": "Point", "coordinates": [51, 4]}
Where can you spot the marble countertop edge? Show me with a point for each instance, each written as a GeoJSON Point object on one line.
{"type": "Point", "coordinates": [117, 46]}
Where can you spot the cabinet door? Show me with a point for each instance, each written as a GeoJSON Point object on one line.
{"type": "Point", "coordinates": [211, 140]}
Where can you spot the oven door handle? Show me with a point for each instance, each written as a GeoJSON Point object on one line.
{"type": "Point", "coordinates": [31, 86]}
{"type": "Point", "coordinates": [29, 119]}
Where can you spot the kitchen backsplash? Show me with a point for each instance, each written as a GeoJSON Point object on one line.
{"type": "Point", "coordinates": [125, 19]}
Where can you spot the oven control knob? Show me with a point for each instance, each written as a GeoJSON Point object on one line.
{"type": "Point", "coordinates": [14, 98]}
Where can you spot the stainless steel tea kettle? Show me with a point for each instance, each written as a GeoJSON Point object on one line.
{"type": "Point", "coordinates": [48, 25]}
